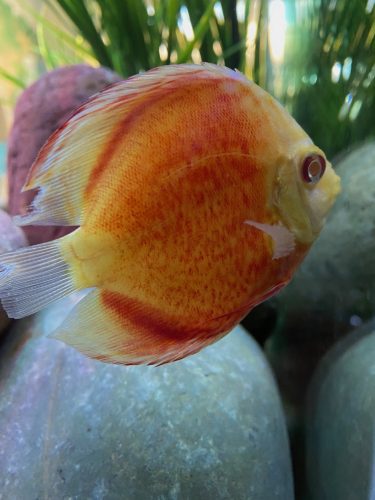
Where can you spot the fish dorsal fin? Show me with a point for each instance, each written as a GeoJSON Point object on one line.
{"type": "Point", "coordinates": [283, 239]}
{"type": "Point", "coordinates": [63, 166]}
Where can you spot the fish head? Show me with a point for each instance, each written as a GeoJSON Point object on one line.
{"type": "Point", "coordinates": [301, 183]}
{"type": "Point", "coordinates": [306, 187]}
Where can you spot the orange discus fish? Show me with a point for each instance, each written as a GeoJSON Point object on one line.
{"type": "Point", "coordinates": [197, 196]}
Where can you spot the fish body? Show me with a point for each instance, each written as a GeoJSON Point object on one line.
{"type": "Point", "coordinates": [187, 183]}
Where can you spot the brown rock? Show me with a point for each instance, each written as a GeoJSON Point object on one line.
{"type": "Point", "coordinates": [40, 110]}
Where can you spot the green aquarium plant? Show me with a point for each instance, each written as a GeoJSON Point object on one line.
{"type": "Point", "coordinates": [317, 56]}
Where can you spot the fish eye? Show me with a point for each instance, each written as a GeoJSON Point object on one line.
{"type": "Point", "coordinates": [313, 168]}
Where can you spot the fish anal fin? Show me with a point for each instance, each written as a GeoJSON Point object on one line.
{"type": "Point", "coordinates": [283, 239]}
{"type": "Point", "coordinates": [113, 328]}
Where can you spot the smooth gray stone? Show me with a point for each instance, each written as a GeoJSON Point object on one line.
{"type": "Point", "coordinates": [341, 421]}
{"type": "Point", "coordinates": [208, 427]}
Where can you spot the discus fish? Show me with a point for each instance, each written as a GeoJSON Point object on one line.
{"type": "Point", "coordinates": [196, 195]}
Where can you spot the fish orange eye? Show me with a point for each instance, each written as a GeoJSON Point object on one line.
{"type": "Point", "coordinates": [313, 168]}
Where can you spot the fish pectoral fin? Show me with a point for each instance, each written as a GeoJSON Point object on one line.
{"type": "Point", "coordinates": [283, 239]}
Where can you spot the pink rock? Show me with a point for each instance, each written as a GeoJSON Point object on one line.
{"type": "Point", "coordinates": [40, 110]}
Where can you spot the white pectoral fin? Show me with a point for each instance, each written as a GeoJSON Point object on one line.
{"type": "Point", "coordinates": [283, 239]}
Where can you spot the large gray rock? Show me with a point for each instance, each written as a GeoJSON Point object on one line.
{"type": "Point", "coordinates": [341, 421]}
{"type": "Point", "coordinates": [208, 427]}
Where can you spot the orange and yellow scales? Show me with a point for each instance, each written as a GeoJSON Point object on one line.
{"type": "Point", "coordinates": [196, 196]}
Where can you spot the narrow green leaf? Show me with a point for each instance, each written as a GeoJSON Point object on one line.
{"type": "Point", "coordinates": [171, 19]}
{"type": "Point", "coordinates": [234, 49]}
{"type": "Point", "coordinates": [81, 17]}
{"type": "Point", "coordinates": [43, 47]}
{"type": "Point", "coordinates": [124, 24]}
{"type": "Point", "coordinates": [62, 36]}
{"type": "Point", "coordinates": [246, 22]}
{"type": "Point", "coordinates": [11, 78]}
{"type": "Point", "coordinates": [231, 28]}
{"type": "Point", "coordinates": [206, 44]}
{"type": "Point", "coordinates": [199, 32]}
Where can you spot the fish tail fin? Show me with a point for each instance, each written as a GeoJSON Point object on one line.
{"type": "Point", "coordinates": [32, 277]}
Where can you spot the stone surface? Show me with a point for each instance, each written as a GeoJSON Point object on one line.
{"type": "Point", "coordinates": [341, 422]}
{"type": "Point", "coordinates": [207, 427]}
{"type": "Point", "coordinates": [40, 110]}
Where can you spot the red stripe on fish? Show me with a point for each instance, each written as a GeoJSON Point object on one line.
{"type": "Point", "coordinates": [111, 148]}
{"type": "Point", "coordinates": [151, 335]}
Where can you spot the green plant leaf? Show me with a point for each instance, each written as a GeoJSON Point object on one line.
{"type": "Point", "coordinates": [199, 32]}
{"type": "Point", "coordinates": [171, 22]}
{"type": "Point", "coordinates": [63, 37]}
{"type": "Point", "coordinates": [11, 78]}
{"type": "Point", "coordinates": [81, 17]}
